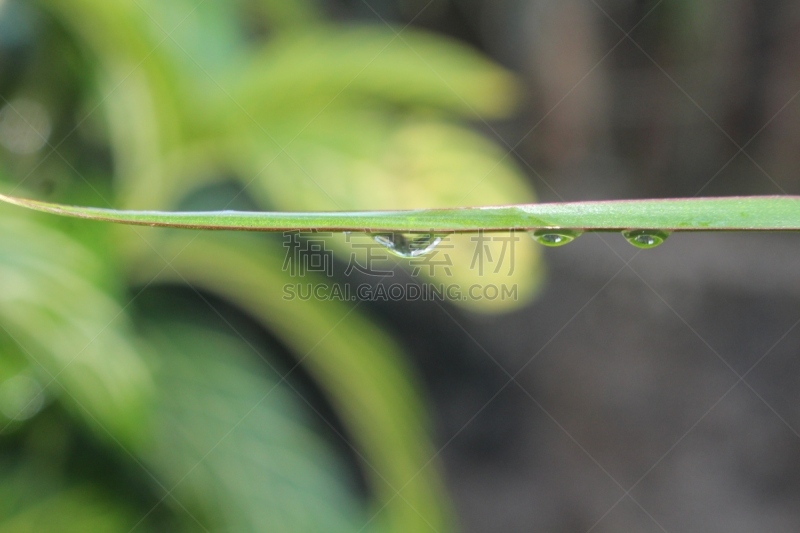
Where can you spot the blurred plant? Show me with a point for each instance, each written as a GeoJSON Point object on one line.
{"type": "Point", "coordinates": [186, 425]}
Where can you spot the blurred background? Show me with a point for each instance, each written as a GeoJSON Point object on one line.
{"type": "Point", "coordinates": [155, 380]}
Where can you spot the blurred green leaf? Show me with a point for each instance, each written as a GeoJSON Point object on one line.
{"type": "Point", "coordinates": [139, 86]}
{"type": "Point", "coordinates": [75, 335]}
{"type": "Point", "coordinates": [235, 443]}
{"type": "Point", "coordinates": [74, 511]}
{"type": "Point", "coordinates": [196, 92]}
{"type": "Point", "coordinates": [282, 14]}
{"type": "Point", "coordinates": [32, 500]}
{"type": "Point", "coordinates": [305, 72]}
{"type": "Point", "coordinates": [200, 36]}
{"type": "Point", "coordinates": [358, 366]}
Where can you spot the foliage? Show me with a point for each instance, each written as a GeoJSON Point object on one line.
{"type": "Point", "coordinates": [121, 415]}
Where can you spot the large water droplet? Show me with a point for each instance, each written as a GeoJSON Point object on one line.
{"type": "Point", "coordinates": [408, 244]}
{"type": "Point", "coordinates": [645, 238]}
{"type": "Point", "coordinates": [555, 237]}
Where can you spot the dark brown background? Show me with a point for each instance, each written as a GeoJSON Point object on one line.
{"type": "Point", "coordinates": [628, 376]}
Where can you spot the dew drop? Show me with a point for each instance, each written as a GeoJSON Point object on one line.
{"type": "Point", "coordinates": [645, 238]}
{"type": "Point", "coordinates": [408, 245]}
{"type": "Point", "coordinates": [555, 237]}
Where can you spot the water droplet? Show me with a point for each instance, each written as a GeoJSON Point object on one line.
{"type": "Point", "coordinates": [408, 245]}
{"type": "Point", "coordinates": [555, 237]}
{"type": "Point", "coordinates": [645, 238]}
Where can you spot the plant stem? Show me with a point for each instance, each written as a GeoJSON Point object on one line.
{"type": "Point", "coordinates": [755, 213]}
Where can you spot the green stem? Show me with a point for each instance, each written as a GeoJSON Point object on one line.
{"type": "Point", "coordinates": [755, 213]}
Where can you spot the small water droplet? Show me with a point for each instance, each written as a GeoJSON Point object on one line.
{"type": "Point", "coordinates": [645, 238]}
{"type": "Point", "coordinates": [408, 244]}
{"type": "Point", "coordinates": [555, 237]}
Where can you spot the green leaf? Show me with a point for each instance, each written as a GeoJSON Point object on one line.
{"type": "Point", "coordinates": [73, 333]}
{"type": "Point", "coordinates": [72, 511]}
{"type": "Point", "coordinates": [235, 442]}
{"type": "Point", "coordinates": [282, 14]}
{"type": "Point", "coordinates": [361, 370]}
{"type": "Point", "coordinates": [139, 84]}
{"type": "Point", "coordinates": [764, 213]}
{"type": "Point", "coordinates": [305, 72]}
{"type": "Point", "coordinates": [201, 37]}
{"type": "Point", "coordinates": [34, 498]}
